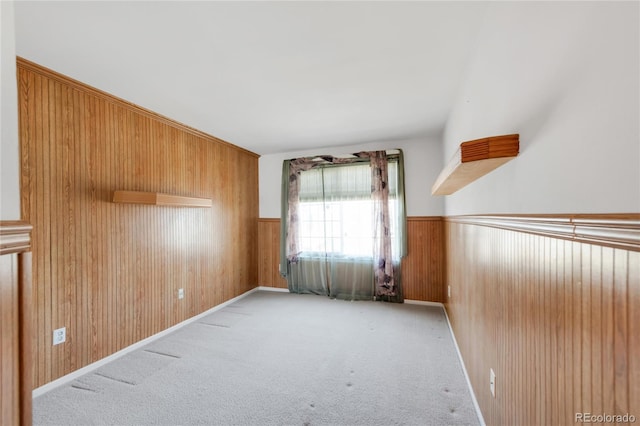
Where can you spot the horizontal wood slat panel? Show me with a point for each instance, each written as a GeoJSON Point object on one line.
{"type": "Point", "coordinates": [422, 269]}
{"type": "Point", "coordinates": [553, 317]}
{"type": "Point", "coordinates": [110, 272]}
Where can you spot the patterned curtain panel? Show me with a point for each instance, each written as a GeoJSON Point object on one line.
{"type": "Point", "coordinates": [386, 285]}
{"type": "Point", "coordinates": [343, 230]}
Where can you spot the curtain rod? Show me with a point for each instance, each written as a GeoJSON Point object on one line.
{"type": "Point", "coordinates": [319, 158]}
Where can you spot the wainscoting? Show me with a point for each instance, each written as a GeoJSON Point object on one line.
{"type": "Point", "coordinates": [552, 305]}
{"type": "Point", "coordinates": [422, 269]}
{"type": "Point", "coordinates": [110, 273]}
{"type": "Point", "coordinates": [269, 254]}
{"type": "Point", "coordinates": [15, 324]}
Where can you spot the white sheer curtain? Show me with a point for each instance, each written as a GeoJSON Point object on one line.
{"type": "Point", "coordinates": [333, 232]}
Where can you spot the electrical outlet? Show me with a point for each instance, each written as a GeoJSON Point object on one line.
{"type": "Point", "coordinates": [181, 293]}
{"type": "Point", "coordinates": [449, 291]}
{"type": "Point", "coordinates": [492, 382]}
{"type": "Point", "coordinates": [59, 335]}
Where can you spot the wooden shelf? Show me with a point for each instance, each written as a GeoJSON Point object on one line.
{"type": "Point", "coordinates": [475, 159]}
{"type": "Point", "coordinates": [159, 199]}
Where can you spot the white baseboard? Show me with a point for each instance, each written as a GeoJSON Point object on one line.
{"type": "Point", "coordinates": [84, 370]}
{"type": "Point", "coordinates": [423, 303]}
{"type": "Point", "coordinates": [407, 301]}
{"type": "Point", "coordinates": [282, 290]}
{"type": "Point", "coordinates": [464, 369]}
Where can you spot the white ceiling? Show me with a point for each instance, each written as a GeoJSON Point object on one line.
{"type": "Point", "coordinates": [267, 76]}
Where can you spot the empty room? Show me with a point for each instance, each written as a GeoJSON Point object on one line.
{"type": "Point", "coordinates": [319, 213]}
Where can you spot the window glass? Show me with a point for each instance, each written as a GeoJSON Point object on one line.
{"type": "Point", "coordinates": [336, 211]}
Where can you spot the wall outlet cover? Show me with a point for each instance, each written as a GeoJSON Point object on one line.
{"type": "Point", "coordinates": [59, 335]}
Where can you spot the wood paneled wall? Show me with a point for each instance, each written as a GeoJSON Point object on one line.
{"type": "Point", "coordinates": [269, 254]}
{"type": "Point", "coordinates": [15, 324]}
{"type": "Point", "coordinates": [422, 269]}
{"type": "Point", "coordinates": [109, 272]}
{"type": "Point", "coordinates": [556, 318]}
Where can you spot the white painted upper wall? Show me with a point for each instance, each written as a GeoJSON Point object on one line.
{"type": "Point", "coordinates": [562, 74]}
{"type": "Point", "coordinates": [9, 144]}
{"type": "Point", "coordinates": [422, 164]}
{"type": "Point", "coordinates": [565, 75]}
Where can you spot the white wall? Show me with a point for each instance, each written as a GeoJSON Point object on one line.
{"type": "Point", "coordinates": [422, 162]}
{"type": "Point", "coordinates": [9, 147]}
{"type": "Point", "coordinates": [565, 75]}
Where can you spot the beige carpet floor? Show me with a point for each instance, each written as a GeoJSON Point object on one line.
{"type": "Point", "coordinates": [280, 359]}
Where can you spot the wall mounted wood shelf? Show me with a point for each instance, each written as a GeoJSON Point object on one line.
{"type": "Point", "coordinates": [474, 159]}
{"type": "Point", "coordinates": [159, 199]}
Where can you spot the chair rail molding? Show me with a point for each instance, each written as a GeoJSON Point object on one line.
{"type": "Point", "coordinates": [612, 230]}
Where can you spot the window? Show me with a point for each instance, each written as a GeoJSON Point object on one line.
{"type": "Point", "coordinates": [335, 214]}
{"type": "Point", "coordinates": [343, 225]}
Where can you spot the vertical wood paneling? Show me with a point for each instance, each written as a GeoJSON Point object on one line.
{"type": "Point", "coordinates": [269, 254]}
{"type": "Point", "coordinates": [634, 329]}
{"type": "Point", "coordinates": [109, 272]}
{"type": "Point", "coordinates": [422, 268]}
{"type": "Point", "coordinates": [15, 323]}
{"type": "Point", "coordinates": [9, 396]}
{"type": "Point", "coordinates": [25, 325]}
{"type": "Point", "coordinates": [556, 320]}
{"type": "Point", "coordinates": [621, 332]}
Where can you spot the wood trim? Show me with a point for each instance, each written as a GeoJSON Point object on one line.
{"type": "Point", "coordinates": [15, 237]}
{"type": "Point", "coordinates": [269, 220]}
{"type": "Point", "coordinates": [424, 218]}
{"type": "Point", "coordinates": [25, 298]}
{"type": "Point", "coordinates": [474, 159]}
{"type": "Point", "coordinates": [159, 199]}
{"type": "Point", "coordinates": [618, 233]}
{"type": "Point", "coordinates": [610, 230]}
{"type": "Point", "coordinates": [75, 84]}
